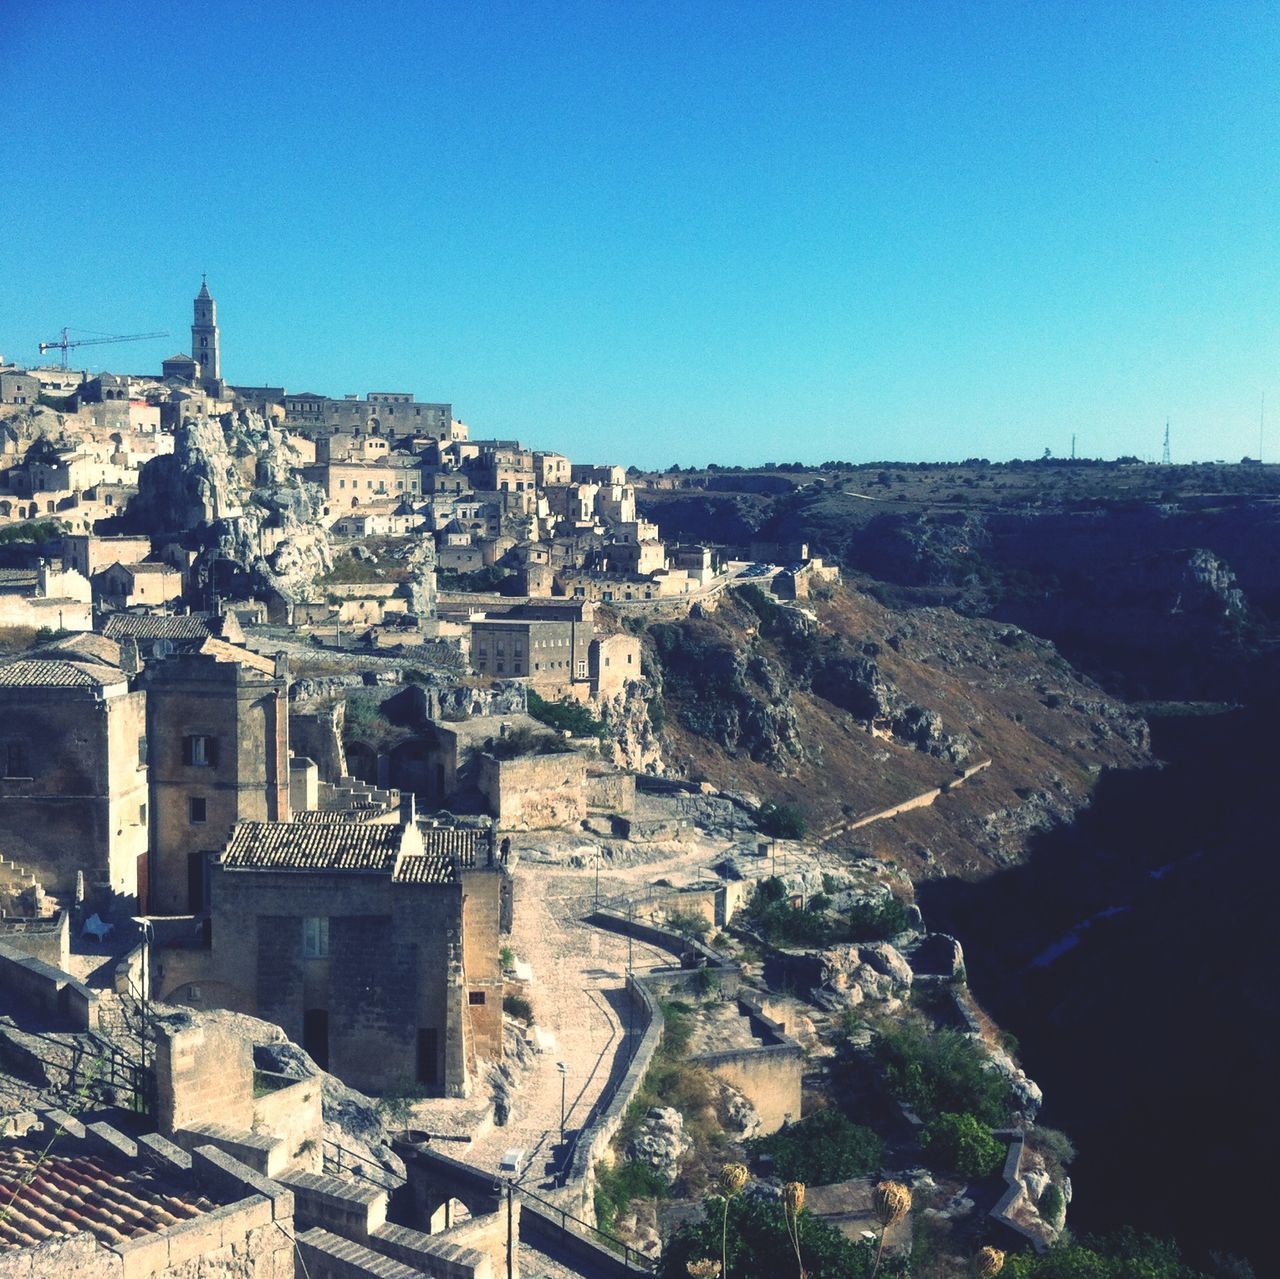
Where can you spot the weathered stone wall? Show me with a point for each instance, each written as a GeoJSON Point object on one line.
{"type": "Point", "coordinates": [294, 1115]}
{"type": "Point", "coordinates": [83, 805]}
{"type": "Point", "coordinates": [48, 990]}
{"type": "Point", "coordinates": [204, 1074]}
{"type": "Point", "coordinates": [610, 792]}
{"type": "Point", "coordinates": [395, 966]}
{"type": "Point", "coordinates": [317, 734]}
{"type": "Point", "coordinates": [245, 713]}
{"type": "Point", "coordinates": [534, 792]}
{"type": "Point", "coordinates": [768, 1077]}
{"type": "Point", "coordinates": [44, 939]}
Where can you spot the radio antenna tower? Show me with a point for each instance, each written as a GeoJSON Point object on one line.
{"type": "Point", "coordinates": [1165, 456]}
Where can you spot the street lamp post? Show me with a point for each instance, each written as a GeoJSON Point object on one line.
{"type": "Point", "coordinates": [564, 1075]}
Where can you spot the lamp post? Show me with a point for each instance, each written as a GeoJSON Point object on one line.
{"type": "Point", "coordinates": [564, 1075]}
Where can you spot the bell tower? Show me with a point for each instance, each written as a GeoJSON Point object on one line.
{"type": "Point", "coordinates": [204, 335]}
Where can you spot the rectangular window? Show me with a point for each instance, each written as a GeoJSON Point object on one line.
{"type": "Point", "coordinates": [315, 937]}
{"type": "Point", "coordinates": [197, 810]}
{"type": "Point", "coordinates": [15, 760]}
{"type": "Point", "coordinates": [199, 751]}
{"type": "Point", "coordinates": [476, 998]}
{"type": "Point", "coordinates": [142, 751]}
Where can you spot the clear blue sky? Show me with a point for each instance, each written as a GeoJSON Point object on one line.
{"type": "Point", "coordinates": [674, 232]}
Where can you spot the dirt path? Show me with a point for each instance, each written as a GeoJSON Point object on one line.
{"type": "Point", "coordinates": [579, 975]}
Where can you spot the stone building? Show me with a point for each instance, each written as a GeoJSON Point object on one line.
{"type": "Point", "coordinates": [73, 795]}
{"type": "Point", "coordinates": [389, 413]}
{"type": "Point", "coordinates": [373, 944]}
{"type": "Point", "coordinates": [218, 724]}
{"type": "Point", "coordinates": [130, 585]}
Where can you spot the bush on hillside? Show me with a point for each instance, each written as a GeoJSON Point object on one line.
{"type": "Point", "coordinates": [941, 1071]}
{"type": "Point", "coordinates": [821, 1149]}
{"type": "Point", "coordinates": [963, 1144]}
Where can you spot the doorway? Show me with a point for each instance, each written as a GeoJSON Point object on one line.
{"type": "Point", "coordinates": [315, 1035]}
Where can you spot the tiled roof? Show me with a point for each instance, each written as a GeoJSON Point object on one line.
{"type": "Point", "coordinates": [42, 673]}
{"type": "Point", "coordinates": [191, 626]}
{"type": "Point", "coordinates": [339, 845]}
{"type": "Point", "coordinates": [222, 651]}
{"type": "Point", "coordinates": [84, 646]}
{"type": "Point", "coordinates": [429, 869]}
{"type": "Point", "coordinates": [356, 813]}
{"type": "Point", "coordinates": [150, 568]}
{"type": "Point", "coordinates": [47, 1195]}
{"type": "Point", "coordinates": [461, 842]}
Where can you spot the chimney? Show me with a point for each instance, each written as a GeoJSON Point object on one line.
{"type": "Point", "coordinates": [282, 665]}
{"type": "Point", "coordinates": [408, 809]}
{"type": "Point", "coordinates": [130, 662]}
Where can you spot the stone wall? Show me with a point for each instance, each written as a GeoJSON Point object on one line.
{"type": "Point", "coordinates": [534, 792]}
{"type": "Point", "coordinates": [204, 1075]}
{"type": "Point", "coordinates": [610, 792]}
{"type": "Point", "coordinates": [292, 1111]}
{"type": "Point", "coordinates": [44, 939]}
{"type": "Point", "coordinates": [47, 990]}
{"type": "Point", "coordinates": [82, 807]}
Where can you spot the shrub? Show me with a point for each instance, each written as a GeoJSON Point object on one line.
{"type": "Point", "coordinates": [618, 1184]}
{"type": "Point", "coordinates": [657, 713]}
{"type": "Point", "coordinates": [878, 920]}
{"type": "Point", "coordinates": [565, 716]}
{"type": "Point", "coordinates": [1053, 1203]}
{"type": "Point", "coordinates": [759, 1245]}
{"type": "Point", "coordinates": [33, 531]}
{"type": "Point", "coordinates": [942, 1071]}
{"type": "Point", "coordinates": [688, 922]}
{"type": "Point", "coordinates": [781, 821]}
{"type": "Point", "coordinates": [822, 1148]}
{"type": "Point", "coordinates": [519, 1007]}
{"type": "Point", "coordinates": [963, 1144]}
{"type": "Point", "coordinates": [524, 741]}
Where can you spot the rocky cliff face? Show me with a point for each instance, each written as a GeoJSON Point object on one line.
{"type": "Point", "coordinates": [227, 492]}
{"type": "Point", "coordinates": [632, 737]}
{"type": "Point", "coordinates": [850, 708]}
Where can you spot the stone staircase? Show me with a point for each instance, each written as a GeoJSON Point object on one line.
{"type": "Point", "coordinates": [20, 891]}
{"type": "Point", "coordinates": [349, 792]}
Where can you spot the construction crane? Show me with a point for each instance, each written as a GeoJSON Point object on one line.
{"type": "Point", "coordinates": [66, 342]}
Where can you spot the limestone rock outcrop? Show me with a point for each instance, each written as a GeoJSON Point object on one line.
{"type": "Point", "coordinates": [228, 493]}
{"type": "Point", "coordinates": [661, 1141]}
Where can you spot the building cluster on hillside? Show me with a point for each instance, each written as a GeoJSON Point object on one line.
{"type": "Point", "coordinates": [175, 751]}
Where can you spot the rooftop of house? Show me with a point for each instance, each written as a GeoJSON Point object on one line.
{"type": "Point", "coordinates": [46, 1194]}
{"type": "Point", "coordinates": [333, 845]}
{"type": "Point", "coordinates": [46, 673]}
{"type": "Point", "coordinates": [84, 646]}
{"type": "Point", "coordinates": [430, 868]}
{"type": "Point", "coordinates": [188, 626]}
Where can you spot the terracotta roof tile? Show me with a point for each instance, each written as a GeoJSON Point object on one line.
{"type": "Point", "coordinates": [339, 845]}
{"type": "Point", "coordinates": [53, 674]}
{"type": "Point", "coordinates": [430, 869]}
{"type": "Point", "coordinates": [46, 1195]}
{"type": "Point", "coordinates": [190, 626]}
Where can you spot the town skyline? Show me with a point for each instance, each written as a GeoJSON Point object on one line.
{"type": "Point", "coordinates": [930, 235]}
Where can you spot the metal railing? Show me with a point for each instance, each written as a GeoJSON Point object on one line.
{"type": "Point", "coordinates": [631, 1258]}
{"type": "Point", "coordinates": [339, 1161]}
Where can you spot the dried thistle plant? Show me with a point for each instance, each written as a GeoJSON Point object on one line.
{"type": "Point", "coordinates": [988, 1263]}
{"type": "Point", "coordinates": [892, 1202]}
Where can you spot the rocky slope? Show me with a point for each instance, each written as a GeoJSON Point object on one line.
{"type": "Point", "coordinates": [850, 707]}
{"type": "Point", "coordinates": [227, 492]}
